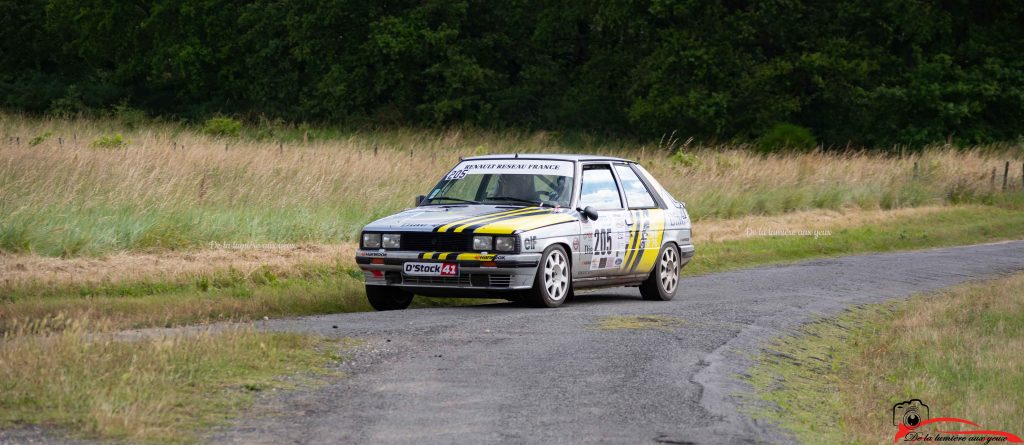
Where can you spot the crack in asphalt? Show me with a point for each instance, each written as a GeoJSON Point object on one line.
{"type": "Point", "coordinates": [502, 373]}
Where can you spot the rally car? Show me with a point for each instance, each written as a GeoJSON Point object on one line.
{"type": "Point", "coordinates": [529, 227]}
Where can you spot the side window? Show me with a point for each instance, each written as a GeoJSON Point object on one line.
{"type": "Point", "coordinates": [637, 195]}
{"type": "Point", "coordinates": [598, 188]}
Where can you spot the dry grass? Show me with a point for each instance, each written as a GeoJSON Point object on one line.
{"type": "Point", "coordinates": [959, 350]}
{"type": "Point", "coordinates": [58, 372]}
{"type": "Point", "coordinates": [172, 188]}
{"type": "Point", "coordinates": [26, 270]}
{"type": "Point", "coordinates": [819, 220]}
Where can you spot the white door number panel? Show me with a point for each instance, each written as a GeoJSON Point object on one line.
{"type": "Point", "coordinates": [432, 269]}
{"type": "Point", "coordinates": [606, 244]}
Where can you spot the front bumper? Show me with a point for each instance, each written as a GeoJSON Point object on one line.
{"type": "Point", "coordinates": [484, 272]}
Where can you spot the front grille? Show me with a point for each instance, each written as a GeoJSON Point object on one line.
{"type": "Point", "coordinates": [437, 242]}
{"type": "Point", "coordinates": [438, 281]}
{"type": "Point", "coordinates": [501, 280]}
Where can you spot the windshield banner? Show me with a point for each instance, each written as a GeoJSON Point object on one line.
{"type": "Point", "coordinates": [510, 166]}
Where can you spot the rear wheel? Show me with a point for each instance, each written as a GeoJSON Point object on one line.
{"type": "Point", "coordinates": [384, 298]}
{"type": "Point", "coordinates": [553, 284]}
{"type": "Point", "coordinates": [664, 279]}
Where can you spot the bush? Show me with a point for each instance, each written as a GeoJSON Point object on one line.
{"type": "Point", "coordinates": [222, 126]}
{"type": "Point", "coordinates": [685, 159]}
{"type": "Point", "coordinates": [109, 141]}
{"type": "Point", "coordinates": [40, 139]}
{"type": "Point", "coordinates": [131, 117]}
{"type": "Point", "coordinates": [787, 137]}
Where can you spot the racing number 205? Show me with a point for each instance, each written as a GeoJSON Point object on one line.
{"type": "Point", "coordinates": [602, 242]}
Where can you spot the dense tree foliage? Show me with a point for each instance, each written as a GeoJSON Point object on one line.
{"type": "Point", "coordinates": [871, 72]}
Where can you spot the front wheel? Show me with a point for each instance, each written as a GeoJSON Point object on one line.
{"type": "Point", "coordinates": [384, 298]}
{"type": "Point", "coordinates": [553, 284]}
{"type": "Point", "coordinates": [664, 279]}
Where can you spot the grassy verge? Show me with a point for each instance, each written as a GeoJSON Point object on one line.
{"type": "Point", "coordinates": [954, 226]}
{"type": "Point", "coordinates": [169, 187]}
{"type": "Point", "coordinates": [959, 350]}
{"type": "Point", "coordinates": [145, 390]}
{"type": "Point", "coordinates": [314, 290]}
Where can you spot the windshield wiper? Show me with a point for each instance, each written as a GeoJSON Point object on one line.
{"type": "Point", "coordinates": [513, 198]}
{"type": "Point", "coordinates": [450, 198]}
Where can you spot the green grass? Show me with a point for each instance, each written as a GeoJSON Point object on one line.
{"type": "Point", "coordinates": [958, 350]}
{"type": "Point", "coordinates": [950, 227]}
{"type": "Point", "coordinates": [329, 289]}
{"type": "Point", "coordinates": [165, 390]}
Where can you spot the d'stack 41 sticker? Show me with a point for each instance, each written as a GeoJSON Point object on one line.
{"type": "Point", "coordinates": [432, 269]}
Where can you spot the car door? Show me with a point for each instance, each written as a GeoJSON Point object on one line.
{"type": "Point", "coordinates": [648, 229]}
{"type": "Point", "coordinates": [604, 241]}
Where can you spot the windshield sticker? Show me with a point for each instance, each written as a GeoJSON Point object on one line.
{"type": "Point", "coordinates": [510, 166]}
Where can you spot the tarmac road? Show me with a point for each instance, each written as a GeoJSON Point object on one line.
{"type": "Point", "coordinates": [502, 373]}
{"type": "Point", "coordinates": [508, 374]}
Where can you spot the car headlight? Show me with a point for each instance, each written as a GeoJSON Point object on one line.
{"type": "Point", "coordinates": [505, 243]}
{"type": "Point", "coordinates": [371, 240]}
{"type": "Point", "coordinates": [391, 240]}
{"type": "Point", "coordinates": [483, 243]}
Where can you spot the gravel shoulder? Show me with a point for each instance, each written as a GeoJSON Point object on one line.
{"type": "Point", "coordinates": [502, 373]}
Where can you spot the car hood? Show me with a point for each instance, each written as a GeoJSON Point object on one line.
{"type": "Point", "coordinates": [471, 218]}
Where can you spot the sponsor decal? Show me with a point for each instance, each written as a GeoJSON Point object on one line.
{"type": "Point", "coordinates": [510, 166]}
{"type": "Point", "coordinates": [530, 242]}
{"type": "Point", "coordinates": [432, 269]}
{"type": "Point", "coordinates": [912, 417]}
{"type": "Point", "coordinates": [378, 254]}
{"type": "Point", "coordinates": [576, 243]}
{"type": "Point", "coordinates": [675, 219]}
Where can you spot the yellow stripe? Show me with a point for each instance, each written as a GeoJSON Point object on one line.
{"type": "Point", "coordinates": [483, 220]}
{"type": "Point", "coordinates": [475, 257]}
{"type": "Point", "coordinates": [656, 234]}
{"type": "Point", "coordinates": [524, 223]}
{"type": "Point", "coordinates": [474, 219]}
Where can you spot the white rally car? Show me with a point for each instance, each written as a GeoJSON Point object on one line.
{"type": "Point", "coordinates": [529, 227]}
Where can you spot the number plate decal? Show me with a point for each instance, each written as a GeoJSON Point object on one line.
{"type": "Point", "coordinates": [431, 269]}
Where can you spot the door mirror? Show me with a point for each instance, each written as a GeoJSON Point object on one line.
{"type": "Point", "coordinates": [589, 212]}
{"type": "Point", "coordinates": [419, 200]}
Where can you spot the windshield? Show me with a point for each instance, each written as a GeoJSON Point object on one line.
{"type": "Point", "coordinates": [506, 181]}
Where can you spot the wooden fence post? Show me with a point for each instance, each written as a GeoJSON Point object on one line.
{"type": "Point", "coordinates": [992, 182]}
{"type": "Point", "coordinates": [1006, 174]}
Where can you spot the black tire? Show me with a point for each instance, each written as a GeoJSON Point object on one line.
{"type": "Point", "coordinates": [663, 282]}
{"type": "Point", "coordinates": [384, 298]}
{"type": "Point", "coordinates": [553, 283]}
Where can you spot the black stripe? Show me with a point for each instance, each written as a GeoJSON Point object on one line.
{"type": "Point", "coordinates": [631, 248]}
{"type": "Point", "coordinates": [636, 260]}
{"type": "Point", "coordinates": [473, 227]}
{"type": "Point", "coordinates": [464, 221]}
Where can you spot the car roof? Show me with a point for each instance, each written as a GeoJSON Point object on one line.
{"type": "Point", "coordinates": [558, 157]}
